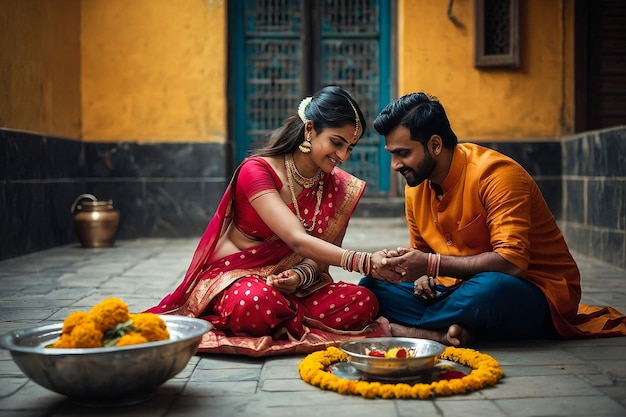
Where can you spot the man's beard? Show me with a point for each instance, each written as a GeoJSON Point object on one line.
{"type": "Point", "coordinates": [423, 170]}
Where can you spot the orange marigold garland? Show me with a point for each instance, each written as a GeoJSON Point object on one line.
{"type": "Point", "coordinates": [485, 372]}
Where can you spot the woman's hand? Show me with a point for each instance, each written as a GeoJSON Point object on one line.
{"type": "Point", "coordinates": [287, 282]}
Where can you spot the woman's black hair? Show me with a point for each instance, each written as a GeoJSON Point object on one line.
{"type": "Point", "coordinates": [331, 106]}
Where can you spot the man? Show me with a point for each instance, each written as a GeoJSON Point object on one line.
{"type": "Point", "coordinates": [486, 257]}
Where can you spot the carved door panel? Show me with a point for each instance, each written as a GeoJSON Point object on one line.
{"type": "Point", "coordinates": [282, 50]}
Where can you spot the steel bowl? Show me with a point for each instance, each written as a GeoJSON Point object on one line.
{"type": "Point", "coordinates": [107, 375]}
{"type": "Point", "coordinates": [423, 356]}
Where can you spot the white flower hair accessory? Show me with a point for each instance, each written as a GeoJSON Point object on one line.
{"type": "Point", "coordinates": [302, 107]}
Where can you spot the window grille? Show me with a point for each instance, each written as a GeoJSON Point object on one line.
{"type": "Point", "coordinates": [496, 25]}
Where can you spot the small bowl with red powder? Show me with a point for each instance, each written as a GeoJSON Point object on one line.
{"type": "Point", "coordinates": [389, 358]}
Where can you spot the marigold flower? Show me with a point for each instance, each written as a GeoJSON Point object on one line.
{"type": "Point", "coordinates": [86, 335]}
{"type": "Point", "coordinates": [134, 338]}
{"type": "Point", "coordinates": [485, 372]}
{"type": "Point", "coordinates": [151, 326]}
{"type": "Point", "coordinates": [72, 320]}
{"type": "Point", "coordinates": [107, 324]}
{"type": "Point", "coordinates": [109, 313]}
{"type": "Point", "coordinates": [65, 342]}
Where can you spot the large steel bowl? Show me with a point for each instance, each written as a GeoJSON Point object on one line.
{"type": "Point", "coordinates": [423, 356]}
{"type": "Point", "coordinates": [105, 376]}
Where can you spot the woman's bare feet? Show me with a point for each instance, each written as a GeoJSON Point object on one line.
{"type": "Point", "coordinates": [455, 336]}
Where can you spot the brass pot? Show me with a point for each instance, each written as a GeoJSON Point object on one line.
{"type": "Point", "coordinates": [95, 222]}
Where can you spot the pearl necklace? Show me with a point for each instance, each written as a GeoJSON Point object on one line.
{"type": "Point", "coordinates": [290, 168]}
{"type": "Point", "coordinates": [306, 182]}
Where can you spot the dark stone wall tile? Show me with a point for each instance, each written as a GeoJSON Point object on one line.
{"type": "Point", "coordinates": [596, 154]}
{"type": "Point", "coordinates": [188, 160]}
{"type": "Point", "coordinates": [552, 191]}
{"type": "Point", "coordinates": [62, 158]}
{"type": "Point", "coordinates": [28, 219]}
{"type": "Point", "coordinates": [571, 156]}
{"type": "Point", "coordinates": [178, 209]}
{"type": "Point", "coordinates": [606, 203]}
{"type": "Point", "coordinates": [168, 190]}
{"type": "Point", "coordinates": [595, 163]}
{"type": "Point", "coordinates": [577, 237]}
{"type": "Point", "coordinates": [574, 204]}
{"type": "Point", "coordinates": [614, 145]}
{"type": "Point", "coordinates": [110, 160]}
{"type": "Point", "coordinates": [614, 248]}
{"type": "Point", "coordinates": [596, 244]}
{"type": "Point", "coordinates": [61, 197]}
{"type": "Point", "coordinates": [5, 222]}
{"type": "Point", "coordinates": [538, 158]}
{"type": "Point", "coordinates": [23, 156]}
{"type": "Point", "coordinates": [131, 160]}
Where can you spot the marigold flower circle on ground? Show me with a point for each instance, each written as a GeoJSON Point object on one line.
{"type": "Point", "coordinates": [485, 372]}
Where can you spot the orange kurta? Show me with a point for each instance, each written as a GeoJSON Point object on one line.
{"type": "Point", "coordinates": [490, 203]}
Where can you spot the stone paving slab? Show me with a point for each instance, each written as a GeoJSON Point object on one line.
{"type": "Point", "coordinates": [542, 377]}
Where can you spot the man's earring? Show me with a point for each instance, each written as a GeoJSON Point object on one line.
{"type": "Point", "coordinates": [305, 146]}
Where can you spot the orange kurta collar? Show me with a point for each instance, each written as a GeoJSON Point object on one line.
{"type": "Point", "coordinates": [459, 161]}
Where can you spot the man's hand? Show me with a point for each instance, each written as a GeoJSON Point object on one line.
{"type": "Point", "coordinates": [423, 287]}
{"type": "Point", "coordinates": [383, 271]}
{"type": "Point", "coordinates": [411, 262]}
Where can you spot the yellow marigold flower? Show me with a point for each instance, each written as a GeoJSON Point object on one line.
{"type": "Point", "coordinates": [65, 342]}
{"type": "Point", "coordinates": [344, 386]}
{"type": "Point", "coordinates": [86, 335]}
{"type": "Point", "coordinates": [151, 326]}
{"type": "Point", "coordinates": [387, 391]}
{"type": "Point", "coordinates": [72, 320]}
{"type": "Point", "coordinates": [421, 391]}
{"type": "Point", "coordinates": [485, 372]}
{"type": "Point", "coordinates": [109, 313]}
{"type": "Point", "coordinates": [402, 390]}
{"type": "Point", "coordinates": [134, 338]}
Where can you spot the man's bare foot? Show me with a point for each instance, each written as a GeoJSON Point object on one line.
{"type": "Point", "coordinates": [455, 336]}
{"type": "Point", "coordinates": [379, 328]}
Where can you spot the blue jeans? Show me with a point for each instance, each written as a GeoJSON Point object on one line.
{"type": "Point", "coordinates": [490, 304]}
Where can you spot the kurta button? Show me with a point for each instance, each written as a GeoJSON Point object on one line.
{"type": "Point", "coordinates": [448, 237]}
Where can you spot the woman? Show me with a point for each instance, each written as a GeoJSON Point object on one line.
{"type": "Point", "coordinates": [260, 272]}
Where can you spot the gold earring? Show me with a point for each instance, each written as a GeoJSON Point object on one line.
{"type": "Point", "coordinates": [305, 146]}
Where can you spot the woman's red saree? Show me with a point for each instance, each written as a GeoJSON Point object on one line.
{"type": "Point", "coordinates": [204, 281]}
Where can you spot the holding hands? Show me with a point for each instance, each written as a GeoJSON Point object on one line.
{"type": "Point", "coordinates": [403, 265]}
{"type": "Point", "coordinates": [400, 265]}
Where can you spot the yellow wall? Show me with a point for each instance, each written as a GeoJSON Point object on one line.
{"type": "Point", "coordinates": [40, 66]}
{"type": "Point", "coordinates": [153, 70]}
{"type": "Point", "coordinates": [114, 70]}
{"type": "Point", "coordinates": [532, 102]}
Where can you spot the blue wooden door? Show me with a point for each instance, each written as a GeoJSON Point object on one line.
{"type": "Point", "coordinates": [282, 50]}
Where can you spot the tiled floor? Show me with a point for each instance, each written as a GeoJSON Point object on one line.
{"type": "Point", "coordinates": [542, 378]}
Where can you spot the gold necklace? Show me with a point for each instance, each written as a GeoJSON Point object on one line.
{"type": "Point", "coordinates": [305, 182]}
{"type": "Point", "coordinates": [294, 200]}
